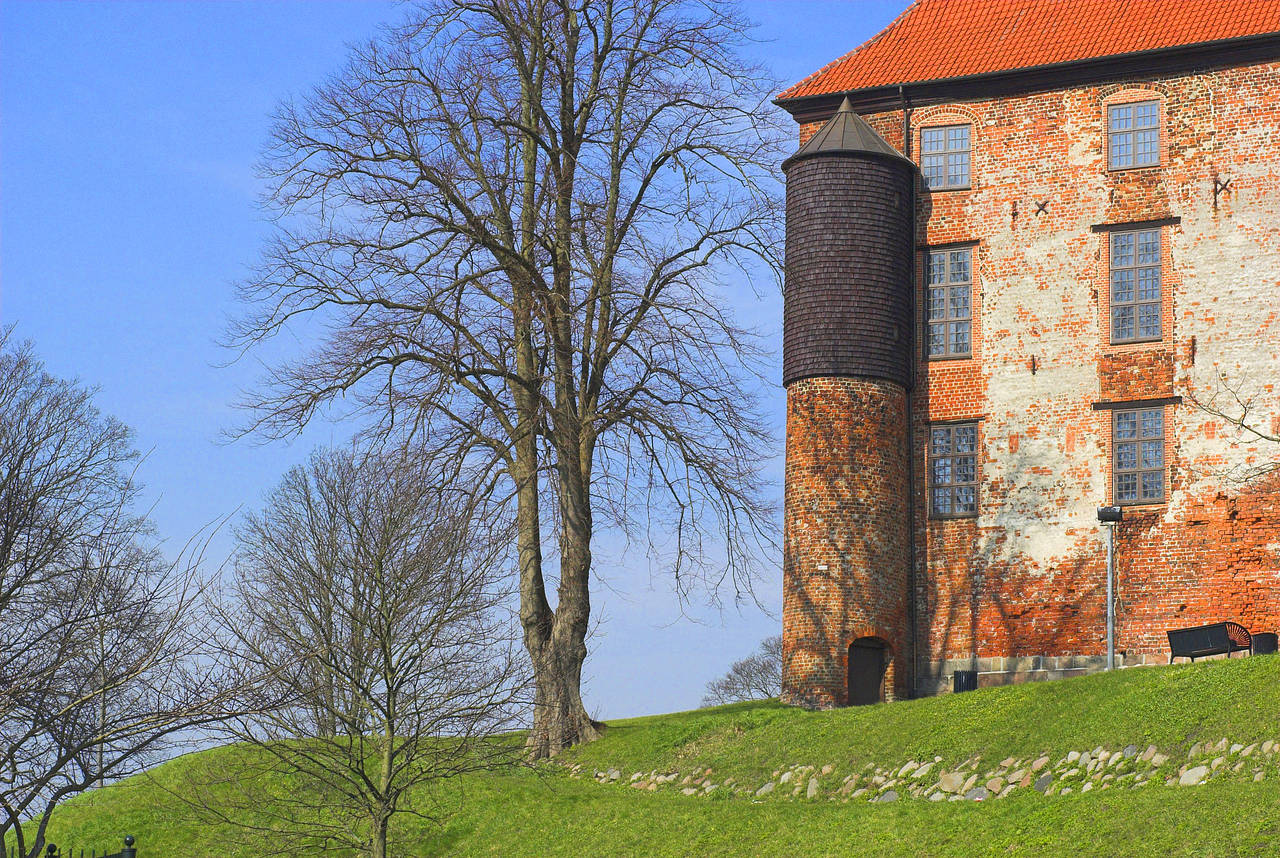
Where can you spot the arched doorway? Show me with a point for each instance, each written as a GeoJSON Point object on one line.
{"type": "Point", "coordinates": [868, 659]}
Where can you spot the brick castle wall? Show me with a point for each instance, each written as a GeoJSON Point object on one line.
{"type": "Point", "coordinates": [846, 539]}
{"type": "Point", "coordinates": [1024, 579]}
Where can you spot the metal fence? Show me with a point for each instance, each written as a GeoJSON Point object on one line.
{"type": "Point", "coordinates": [54, 851]}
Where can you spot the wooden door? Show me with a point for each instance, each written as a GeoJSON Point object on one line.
{"type": "Point", "coordinates": [866, 671]}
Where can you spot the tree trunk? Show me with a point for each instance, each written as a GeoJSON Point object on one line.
{"type": "Point", "coordinates": [559, 718]}
{"type": "Point", "coordinates": [378, 843]}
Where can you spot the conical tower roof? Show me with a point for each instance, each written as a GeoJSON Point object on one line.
{"type": "Point", "coordinates": [846, 133]}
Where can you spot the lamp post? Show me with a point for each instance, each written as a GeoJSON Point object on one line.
{"type": "Point", "coordinates": [1110, 516]}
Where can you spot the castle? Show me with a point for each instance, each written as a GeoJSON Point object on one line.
{"type": "Point", "coordinates": [1032, 269]}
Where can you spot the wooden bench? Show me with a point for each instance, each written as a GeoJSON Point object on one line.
{"type": "Point", "coordinates": [1213, 639]}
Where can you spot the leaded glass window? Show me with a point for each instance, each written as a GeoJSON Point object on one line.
{"type": "Point", "coordinates": [953, 470]}
{"type": "Point", "coordinates": [1135, 286]}
{"type": "Point", "coordinates": [949, 303]}
{"type": "Point", "coordinates": [1137, 438]}
{"type": "Point", "coordinates": [1133, 134]}
{"type": "Point", "coordinates": [944, 156]}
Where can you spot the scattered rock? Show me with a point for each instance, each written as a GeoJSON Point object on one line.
{"type": "Point", "coordinates": [813, 788]}
{"type": "Point", "coordinates": [951, 782]}
{"type": "Point", "coordinates": [689, 791]}
{"type": "Point", "coordinates": [1259, 776]}
{"type": "Point", "coordinates": [1235, 748]}
{"type": "Point", "coordinates": [1217, 761]}
{"type": "Point", "coordinates": [1194, 776]}
{"type": "Point", "coordinates": [1195, 751]}
{"type": "Point", "coordinates": [908, 768]}
{"type": "Point", "coordinates": [1072, 756]}
{"type": "Point", "coordinates": [1159, 760]}
{"type": "Point", "coordinates": [1130, 751]}
{"type": "Point", "coordinates": [786, 777]}
{"type": "Point", "coordinates": [766, 789]}
{"type": "Point", "coordinates": [922, 771]}
{"type": "Point", "coordinates": [1042, 783]}
{"type": "Point", "coordinates": [1149, 753]}
{"type": "Point", "coordinates": [968, 785]}
{"type": "Point", "coordinates": [826, 770]}
{"type": "Point", "coordinates": [1007, 762]}
{"type": "Point", "coordinates": [1026, 781]}
{"type": "Point", "coordinates": [1039, 764]}
{"type": "Point", "coordinates": [1087, 787]}
{"type": "Point", "coordinates": [942, 796]}
{"type": "Point", "coordinates": [709, 788]}
{"type": "Point", "coordinates": [1268, 746]}
{"type": "Point", "coordinates": [977, 794]}
{"type": "Point", "coordinates": [1006, 790]}
{"type": "Point", "coordinates": [1118, 756]}
{"type": "Point", "coordinates": [1248, 752]}
{"type": "Point", "coordinates": [889, 795]}
{"type": "Point", "coordinates": [995, 785]}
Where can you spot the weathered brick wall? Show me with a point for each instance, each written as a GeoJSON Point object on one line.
{"type": "Point", "coordinates": [1025, 578]}
{"type": "Point", "coordinates": [846, 534]}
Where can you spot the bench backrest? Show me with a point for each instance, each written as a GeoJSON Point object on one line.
{"type": "Point", "coordinates": [1215, 638]}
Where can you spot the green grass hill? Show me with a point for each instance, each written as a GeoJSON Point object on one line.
{"type": "Point", "coordinates": [1166, 761]}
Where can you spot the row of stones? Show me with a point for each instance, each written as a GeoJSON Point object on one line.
{"type": "Point", "coordinates": [1081, 771]}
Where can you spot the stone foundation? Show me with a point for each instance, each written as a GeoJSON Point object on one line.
{"type": "Point", "coordinates": [936, 677]}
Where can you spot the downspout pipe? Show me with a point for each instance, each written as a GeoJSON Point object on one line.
{"type": "Point", "coordinates": [912, 618]}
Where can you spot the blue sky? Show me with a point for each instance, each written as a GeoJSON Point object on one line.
{"type": "Point", "coordinates": [128, 209]}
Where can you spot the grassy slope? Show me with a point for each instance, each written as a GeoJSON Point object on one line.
{"type": "Point", "coordinates": [546, 813]}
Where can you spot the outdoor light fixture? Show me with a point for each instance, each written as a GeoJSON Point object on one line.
{"type": "Point", "coordinates": [1110, 516]}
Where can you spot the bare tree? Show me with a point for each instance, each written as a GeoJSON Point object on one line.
{"type": "Point", "coordinates": [98, 634]}
{"type": "Point", "coordinates": [510, 221]}
{"type": "Point", "coordinates": [756, 677]}
{"type": "Point", "coordinates": [368, 625]}
{"type": "Point", "coordinates": [1246, 406]}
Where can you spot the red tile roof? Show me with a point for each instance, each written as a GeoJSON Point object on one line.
{"type": "Point", "coordinates": [936, 39]}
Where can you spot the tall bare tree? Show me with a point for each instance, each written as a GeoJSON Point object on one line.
{"type": "Point", "coordinates": [99, 636]}
{"type": "Point", "coordinates": [376, 653]}
{"type": "Point", "coordinates": [507, 223]}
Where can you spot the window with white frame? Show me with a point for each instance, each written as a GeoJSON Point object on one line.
{"type": "Point", "coordinates": [1133, 135]}
{"type": "Point", "coordinates": [949, 303]}
{"type": "Point", "coordinates": [1135, 286]}
{"type": "Point", "coordinates": [1137, 441]}
{"type": "Point", "coordinates": [944, 156]}
{"type": "Point", "coordinates": [953, 470]}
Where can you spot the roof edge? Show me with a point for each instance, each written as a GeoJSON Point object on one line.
{"type": "Point", "coordinates": [876, 95]}
{"type": "Point", "coordinates": [893, 158]}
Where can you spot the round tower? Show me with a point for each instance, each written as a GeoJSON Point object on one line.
{"type": "Point", "coordinates": [847, 364]}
